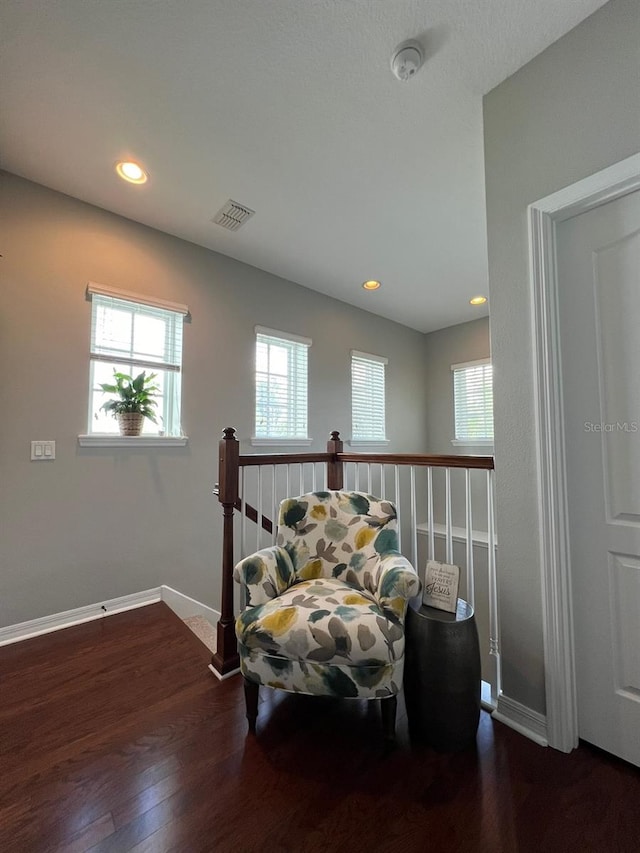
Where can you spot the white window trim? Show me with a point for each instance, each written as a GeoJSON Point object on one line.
{"type": "Point", "coordinates": [285, 336]}
{"type": "Point", "coordinates": [476, 442]}
{"type": "Point", "coordinates": [273, 441]}
{"type": "Point", "coordinates": [381, 359]}
{"type": "Point", "coordinates": [369, 442]}
{"type": "Point", "coordinates": [105, 290]}
{"type": "Point", "coordinates": [103, 440]}
{"type": "Point", "coordinates": [97, 439]}
{"type": "Point", "coordinates": [476, 363]}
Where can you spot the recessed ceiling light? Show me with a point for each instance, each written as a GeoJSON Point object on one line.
{"type": "Point", "coordinates": [372, 284]}
{"type": "Point", "coordinates": [130, 171]}
{"type": "Point", "coordinates": [478, 300]}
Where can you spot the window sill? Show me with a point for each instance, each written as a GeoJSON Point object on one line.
{"type": "Point", "coordinates": [368, 442]}
{"type": "Point", "coordinates": [271, 442]}
{"type": "Point", "coordinates": [478, 442]}
{"type": "Point", "coordinates": [98, 440]}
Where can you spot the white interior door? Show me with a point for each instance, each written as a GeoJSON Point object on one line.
{"type": "Point", "coordinates": [599, 307]}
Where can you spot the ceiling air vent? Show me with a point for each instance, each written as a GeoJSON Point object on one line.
{"type": "Point", "coordinates": [232, 215]}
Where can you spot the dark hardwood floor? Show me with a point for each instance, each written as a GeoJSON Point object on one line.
{"type": "Point", "coordinates": [114, 736]}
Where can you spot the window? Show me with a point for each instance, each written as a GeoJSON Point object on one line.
{"type": "Point", "coordinates": [473, 402]}
{"type": "Point", "coordinates": [281, 386]}
{"type": "Point", "coordinates": [131, 335]}
{"type": "Point", "coordinates": [367, 398]}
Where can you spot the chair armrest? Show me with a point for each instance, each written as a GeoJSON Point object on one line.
{"type": "Point", "coordinates": [397, 582]}
{"type": "Point", "coordinates": [266, 574]}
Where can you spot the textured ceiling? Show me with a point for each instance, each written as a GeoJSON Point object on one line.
{"type": "Point", "coordinates": [290, 108]}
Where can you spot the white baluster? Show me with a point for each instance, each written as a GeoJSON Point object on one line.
{"type": "Point", "coordinates": [469, 518]}
{"type": "Point", "coordinates": [414, 521]}
{"type": "Point", "coordinates": [396, 478]}
{"type": "Point", "coordinates": [273, 503]}
{"type": "Point", "coordinates": [432, 540]}
{"type": "Point", "coordinates": [259, 510]}
{"type": "Point", "coordinates": [243, 518]}
{"type": "Point", "coordinates": [448, 518]}
{"type": "Point", "coordinates": [494, 649]}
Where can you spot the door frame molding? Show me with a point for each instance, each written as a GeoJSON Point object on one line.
{"type": "Point", "coordinates": [557, 611]}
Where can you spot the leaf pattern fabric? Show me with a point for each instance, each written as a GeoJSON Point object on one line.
{"type": "Point", "coordinates": [326, 604]}
{"type": "Point", "coordinates": [352, 625]}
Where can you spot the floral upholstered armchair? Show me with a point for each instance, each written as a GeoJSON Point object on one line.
{"type": "Point", "coordinates": [326, 604]}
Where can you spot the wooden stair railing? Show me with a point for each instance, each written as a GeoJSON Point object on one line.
{"type": "Point", "coordinates": [250, 511]}
{"type": "Point", "coordinates": [226, 660]}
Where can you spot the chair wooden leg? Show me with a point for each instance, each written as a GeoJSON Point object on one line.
{"type": "Point", "coordinates": [388, 707]}
{"type": "Point", "coordinates": [251, 692]}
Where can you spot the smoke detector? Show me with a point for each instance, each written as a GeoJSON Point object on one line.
{"type": "Point", "coordinates": [407, 60]}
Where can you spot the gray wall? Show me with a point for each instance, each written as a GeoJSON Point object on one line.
{"type": "Point", "coordinates": [572, 111]}
{"type": "Point", "coordinates": [456, 344]}
{"type": "Point", "coordinates": [99, 523]}
{"type": "Point", "coordinates": [465, 342]}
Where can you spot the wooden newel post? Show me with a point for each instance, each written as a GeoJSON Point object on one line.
{"type": "Point", "coordinates": [226, 657]}
{"type": "Point", "coordinates": [335, 474]}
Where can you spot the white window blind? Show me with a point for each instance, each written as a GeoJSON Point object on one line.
{"type": "Point", "coordinates": [473, 401]}
{"type": "Point", "coordinates": [130, 337]}
{"type": "Point", "coordinates": [367, 397]}
{"type": "Point", "coordinates": [281, 385]}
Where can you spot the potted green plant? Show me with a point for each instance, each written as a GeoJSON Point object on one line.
{"type": "Point", "coordinates": [134, 400]}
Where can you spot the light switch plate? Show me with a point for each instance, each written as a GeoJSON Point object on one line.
{"type": "Point", "coordinates": [43, 451]}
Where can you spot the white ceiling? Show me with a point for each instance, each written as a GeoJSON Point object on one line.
{"type": "Point", "coordinates": [289, 107]}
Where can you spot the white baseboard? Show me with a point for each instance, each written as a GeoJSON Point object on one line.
{"type": "Point", "coordinates": [226, 675]}
{"type": "Point", "coordinates": [182, 605]}
{"type": "Point", "coordinates": [56, 621]}
{"type": "Point", "coordinates": [522, 719]}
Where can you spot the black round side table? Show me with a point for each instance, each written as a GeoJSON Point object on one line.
{"type": "Point", "coordinates": [442, 676]}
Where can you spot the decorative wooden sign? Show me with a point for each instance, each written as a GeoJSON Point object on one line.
{"type": "Point", "coordinates": [441, 586]}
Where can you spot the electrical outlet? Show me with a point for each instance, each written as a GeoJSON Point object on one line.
{"type": "Point", "coordinates": [43, 451]}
